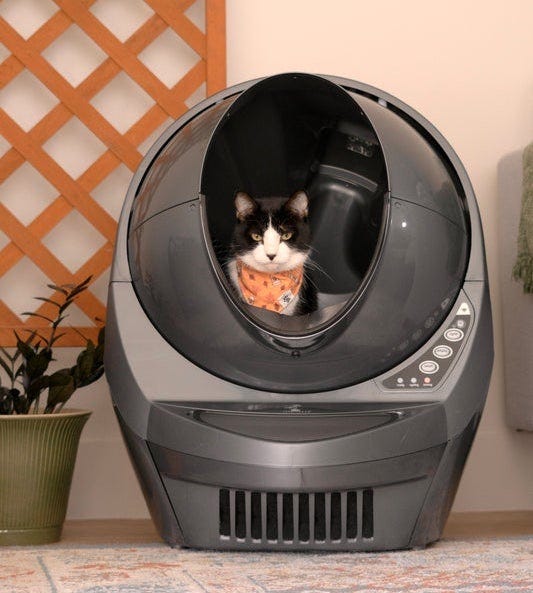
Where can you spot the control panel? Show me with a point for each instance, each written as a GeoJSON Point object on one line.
{"type": "Point", "coordinates": [429, 369]}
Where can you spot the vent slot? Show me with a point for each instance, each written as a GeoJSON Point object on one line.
{"type": "Point", "coordinates": [255, 518]}
{"type": "Point", "coordinates": [351, 515]}
{"type": "Point", "coordinates": [336, 517]}
{"type": "Point", "coordinates": [368, 514]}
{"type": "Point", "coordinates": [296, 518]}
{"type": "Point", "coordinates": [240, 515]}
{"type": "Point", "coordinates": [224, 513]}
{"type": "Point", "coordinates": [320, 517]}
{"type": "Point", "coordinates": [303, 517]}
{"type": "Point", "coordinates": [272, 516]}
{"type": "Point", "coordinates": [288, 518]}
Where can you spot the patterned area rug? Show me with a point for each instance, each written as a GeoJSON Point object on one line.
{"type": "Point", "coordinates": [480, 566]}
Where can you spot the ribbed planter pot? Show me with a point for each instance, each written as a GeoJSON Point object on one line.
{"type": "Point", "coordinates": [37, 456]}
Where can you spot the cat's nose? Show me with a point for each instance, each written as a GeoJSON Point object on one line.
{"type": "Point", "coordinates": [271, 256]}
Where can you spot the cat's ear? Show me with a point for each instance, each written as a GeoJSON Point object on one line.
{"type": "Point", "coordinates": [298, 204]}
{"type": "Point", "coordinates": [244, 205]}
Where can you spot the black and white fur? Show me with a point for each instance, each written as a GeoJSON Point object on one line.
{"type": "Point", "coordinates": [271, 219]}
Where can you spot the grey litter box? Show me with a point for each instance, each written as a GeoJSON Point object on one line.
{"type": "Point", "coordinates": [345, 429]}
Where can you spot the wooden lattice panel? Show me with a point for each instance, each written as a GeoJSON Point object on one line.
{"type": "Point", "coordinates": [34, 156]}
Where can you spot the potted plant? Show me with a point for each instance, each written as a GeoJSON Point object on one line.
{"type": "Point", "coordinates": [39, 438]}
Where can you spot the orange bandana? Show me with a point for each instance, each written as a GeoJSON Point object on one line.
{"type": "Point", "coordinates": [272, 291]}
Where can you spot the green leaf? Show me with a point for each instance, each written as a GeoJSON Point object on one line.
{"type": "Point", "coordinates": [26, 350]}
{"type": "Point", "coordinates": [75, 372]}
{"type": "Point", "coordinates": [83, 284]}
{"type": "Point", "coordinates": [6, 354]}
{"type": "Point", "coordinates": [57, 321]}
{"type": "Point", "coordinates": [37, 386]}
{"type": "Point", "coordinates": [6, 401]}
{"type": "Point", "coordinates": [28, 340]}
{"type": "Point", "coordinates": [19, 371]}
{"type": "Point", "coordinates": [36, 333]}
{"type": "Point", "coordinates": [99, 355]}
{"type": "Point", "coordinates": [6, 368]}
{"type": "Point", "coordinates": [61, 388]}
{"type": "Point", "coordinates": [51, 301]}
{"type": "Point", "coordinates": [56, 338]}
{"type": "Point", "coordinates": [58, 288]}
{"type": "Point", "coordinates": [64, 306]}
{"type": "Point", "coordinates": [79, 288]}
{"type": "Point", "coordinates": [33, 314]}
{"type": "Point", "coordinates": [85, 361]}
{"type": "Point", "coordinates": [37, 366]}
{"type": "Point", "coordinates": [80, 333]}
{"type": "Point", "coordinates": [20, 402]}
{"type": "Point", "coordinates": [101, 335]}
{"type": "Point", "coordinates": [58, 377]}
{"type": "Point", "coordinates": [94, 376]}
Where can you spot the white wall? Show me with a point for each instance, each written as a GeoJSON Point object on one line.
{"type": "Point", "coordinates": [467, 67]}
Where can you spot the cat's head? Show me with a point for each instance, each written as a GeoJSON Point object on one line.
{"type": "Point", "coordinates": [272, 235]}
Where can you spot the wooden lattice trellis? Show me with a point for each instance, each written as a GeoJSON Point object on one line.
{"type": "Point", "coordinates": [121, 148]}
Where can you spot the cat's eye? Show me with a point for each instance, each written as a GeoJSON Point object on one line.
{"type": "Point", "coordinates": [286, 236]}
{"type": "Point", "coordinates": [256, 236]}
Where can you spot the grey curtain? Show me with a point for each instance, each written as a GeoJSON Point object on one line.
{"type": "Point", "coordinates": [517, 306]}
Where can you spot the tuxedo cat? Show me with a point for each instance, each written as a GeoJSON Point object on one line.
{"type": "Point", "coordinates": [269, 265]}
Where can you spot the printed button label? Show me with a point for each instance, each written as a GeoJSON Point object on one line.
{"type": "Point", "coordinates": [464, 309]}
{"type": "Point", "coordinates": [454, 335]}
{"type": "Point", "coordinates": [428, 367]}
{"type": "Point", "coordinates": [442, 351]}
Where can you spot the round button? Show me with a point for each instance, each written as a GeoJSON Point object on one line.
{"type": "Point", "coordinates": [454, 335]}
{"type": "Point", "coordinates": [461, 323]}
{"type": "Point", "coordinates": [442, 351]}
{"type": "Point", "coordinates": [413, 380]}
{"type": "Point", "coordinates": [399, 380]}
{"type": "Point", "coordinates": [428, 367]}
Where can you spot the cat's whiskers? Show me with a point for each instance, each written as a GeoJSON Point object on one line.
{"type": "Point", "coordinates": [311, 264]}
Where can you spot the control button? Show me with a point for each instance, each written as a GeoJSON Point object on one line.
{"type": "Point", "coordinates": [413, 380]}
{"type": "Point", "coordinates": [464, 309]}
{"type": "Point", "coordinates": [442, 351]}
{"type": "Point", "coordinates": [399, 380]}
{"type": "Point", "coordinates": [427, 380]}
{"type": "Point", "coordinates": [461, 323]}
{"type": "Point", "coordinates": [454, 335]}
{"type": "Point", "coordinates": [429, 367]}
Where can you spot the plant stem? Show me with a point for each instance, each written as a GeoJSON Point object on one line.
{"type": "Point", "coordinates": [12, 373]}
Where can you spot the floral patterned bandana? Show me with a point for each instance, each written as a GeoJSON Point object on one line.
{"type": "Point", "coordinates": [272, 291]}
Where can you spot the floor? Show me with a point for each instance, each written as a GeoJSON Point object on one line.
{"type": "Point", "coordinates": [142, 531]}
{"type": "Point", "coordinates": [480, 553]}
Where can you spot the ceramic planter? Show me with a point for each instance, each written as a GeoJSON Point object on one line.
{"type": "Point", "coordinates": [37, 456]}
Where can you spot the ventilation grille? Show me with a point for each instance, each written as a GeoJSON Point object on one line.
{"type": "Point", "coordinates": [296, 518]}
